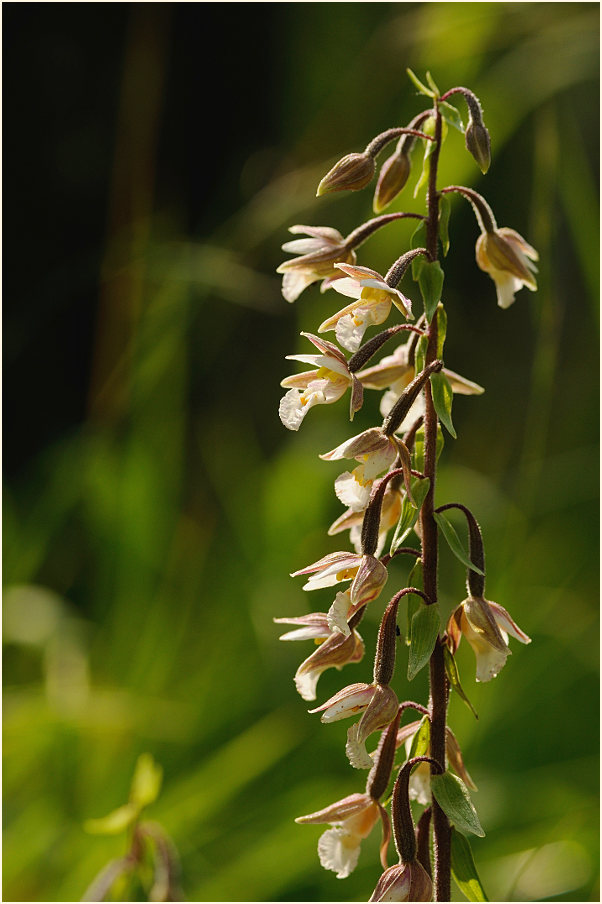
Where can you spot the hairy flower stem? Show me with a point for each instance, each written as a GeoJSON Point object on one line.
{"type": "Point", "coordinates": [438, 680]}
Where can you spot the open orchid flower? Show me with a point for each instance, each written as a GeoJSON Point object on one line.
{"type": "Point", "coordinates": [486, 627]}
{"type": "Point", "coordinates": [322, 386]}
{"type": "Point", "coordinates": [318, 255]}
{"type": "Point", "coordinates": [394, 373]}
{"type": "Point", "coordinates": [372, 306]}
{"type": "Point", "coordinates": [352, 819]}
{"type": "Point", "coordinates": [378, 705]}
{"type": "Point", "coordinates": [335, 650]}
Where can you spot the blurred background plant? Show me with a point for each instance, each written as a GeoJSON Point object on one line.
{"type": "Point", "coordinates": [155, 155]}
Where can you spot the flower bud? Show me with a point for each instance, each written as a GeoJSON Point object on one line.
{"type": "Point", "coordinates": [404, 882]}
{"type": "Point", "coordinates": [393, 176]}
{"type": "Point", "coordinates": [352, 172]}
{"type": "Point", "coordinates": [478, 143]}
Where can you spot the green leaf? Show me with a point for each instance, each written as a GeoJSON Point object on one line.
{"type": "Point", "coordinates": [451, 668]}
{"type": "Point", "coordinates": [432, 84]}
{"type": "Point", "coordinates": [464, 870]}
{"type": "Point", "coordinates": [409, 512]}
{"type": "Point", "coordinates": [421, 740]}
{"type": "Point", "coordinates": [443, 397]}
{"type": "Point", "coordinates": [451, 115]}
{"type": "Point", "coordinates": [428, 128]}
{"type": "Point", "coordinates": [420, 354]}
{"type": "Point", "coordinates": [146, 783]}
{"type": "Point", "coordinates": [452, 796]}
{"type": "Point", "coordinates": [117, 821]}
{"type": "Point", "coordinates": [421, 87]}
{"type": "Point", "coordinates": [444, 212]}
{"type": "Point", "coordinates": [425, 630]}
{"type": "Point", "coordinates": [418, 240]}
{"type": "Point", "coordinates": [441, 330]}
{"type": "Point", "coordinates": [454, 543]}
{"type": "Point", "coordinates": [418, 459]}
{"type": "Point", "coordinates": [412, 606]}
{"type": "Point", "coordinates": [430, 280]}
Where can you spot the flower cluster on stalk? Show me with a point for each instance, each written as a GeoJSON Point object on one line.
{"type": "Point", "coordinates": [384, 491]}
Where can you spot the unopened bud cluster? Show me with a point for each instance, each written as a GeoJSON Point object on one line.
{"type": "Point", "coordinates": [387, 493]}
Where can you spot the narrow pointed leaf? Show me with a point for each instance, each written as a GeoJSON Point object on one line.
{"type": "Point", "coordinates": [430, 147]}
{"type": "Point", "coordinates": [115, 822]}
{"type": "Point", "coordinates": [432, 85]}
{"type": "Point", "coordinates": [430, 281]}
{"type": "Point", "coordinates": [420, 354]}
{"type": "Point", "coordinates": [413, 601]}
{"type": "Point", "coordinates": [421, 740]}
{"type": "Point", "coordinates": [444, 212]}
{"type": "Point", "coordinates": [441, 329]}
{"type": "Point", "coordinates": [443, 397]}
{"type": "Point", "coordinates": [453, 541]}
{"type": "Point", "coordinates": [146, 783]}
{"type": "Point", "coordinates": [424, 633]}
{"type": "Point", "coordinates": [464, 870]}
{"type": "Point", "coordinates": [451, 115]}
{"type": "Point", "coordinates": [418, 240]}
{"type": "Point", "coordinates": [452, 796]}
{"type": "Point", "coordinates": [421, 87]}
{"type": "Point", "coordinates": [454, 678]}
{"type": "Point", "coordinates": [409, 512]}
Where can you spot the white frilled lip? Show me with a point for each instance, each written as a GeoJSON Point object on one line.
{"type": "Point", "coordinates": [353, 490]}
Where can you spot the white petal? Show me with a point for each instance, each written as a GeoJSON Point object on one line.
{"type": "Point", "coordinates": [356, 750]}
{"type": "Point", "coordinates": [348, 287]}
{"type": "Point", "coordinates": [339, 852]}
{"type": "Point", "coordinates": [295, 281]}
{"type": "Point", "coordinates": [303, 246]}
{"type": "Point", "coordinates": [337, 614]}
{"type": "Point", "coordinates": [506, 623]}
{"type": "Point", "coordinates": [506, 285]}
{"type": "Point", "coordinates": [307, 682]}
{"type": "Point", "coordinates": [420, 784]}
{"type": "Point", "coordinates": [352, 490]}
{"type": "Point", "coordinates": [350, 331]}
{"type": "Point", "coordinates": [490, 662]}
{"type": "Point", "coordinates": [291, 410]}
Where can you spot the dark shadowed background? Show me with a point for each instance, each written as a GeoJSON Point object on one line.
{"type": "Point", "coordinates": [154, 157]}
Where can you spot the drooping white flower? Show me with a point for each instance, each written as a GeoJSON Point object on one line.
{"type": "Point", "coordinates": [508, 259]}
{"type": "Point", "coordinates": [486, 627]}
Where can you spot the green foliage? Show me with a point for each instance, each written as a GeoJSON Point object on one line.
{"type": "Point", "coordinates": [430, 280]}
{"type": "Point", "coordinates": [454, 542]}
{"type": "Point", "coordinates": [452, 796]}
{"type": "Point", "coordinates": [464, 870]}
{"type": "Point", "coordinates": [423, 637]}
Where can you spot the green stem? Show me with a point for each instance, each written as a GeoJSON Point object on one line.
{"type": "Point", "coordinates": [438, 680]}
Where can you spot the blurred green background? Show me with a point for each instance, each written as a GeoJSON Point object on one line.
{"type": "Point", "coordinates": [155, 155]}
